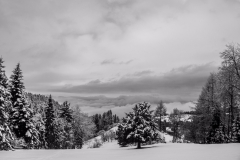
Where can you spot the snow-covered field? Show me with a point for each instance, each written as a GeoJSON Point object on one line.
{"type": "Point", "coordinates": [111, 151]}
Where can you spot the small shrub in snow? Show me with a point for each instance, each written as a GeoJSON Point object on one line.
{"type": "Point", "coordinates": [97, 143]}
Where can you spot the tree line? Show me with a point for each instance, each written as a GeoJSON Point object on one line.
{"type": "Point", "coordinates": [36, 121]}
{"type": "Point", "coordinates": [217, 110]}
{"type": "Point", "coordinates": [105, 121]}
{"type": "Point", "coordinates": [216, 115]}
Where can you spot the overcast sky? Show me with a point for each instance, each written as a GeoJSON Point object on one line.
{"type": "Point", "coordinates": [119, 51]}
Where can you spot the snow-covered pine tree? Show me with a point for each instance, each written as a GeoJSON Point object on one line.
{"type": "Point", "coordinates": [66, 112]}
{"type": "Point", "coordinates": [59, 134]}
{"type": "Point", "coordinates": [16, 85]}
{"type": "Point", "coordinates": [40, 126]}
{"type": "Point", "coordinates": [216, 133]}
{"type": "Point", "coordinates": [21, 115]}
{"type": "Point", "coordinates": [140, 124]}
{"type": "Point", "coordinates": [5, 108]}
{"type": "Point", "coordinates": [122, 134]}
{"type": "Point", "coordinates": [79, 130]}
{"type": "Point", "coordinates": [236, 130]}
{"type": "Point", "coordinates": [50, 133]}
{"type": "Point", "coordinates": [67, 117]}
{"type": "Point", "coordinates": [3, 77]}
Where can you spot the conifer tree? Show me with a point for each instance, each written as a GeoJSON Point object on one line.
{"type": "Point", "coordinates": [5, 107]}
{"type": "Point", "coordinates": [109, 117]}
{"type": "Point", "coordinates": [78, 128]}
{"type": "Point", "coordinates": [114, 118]}
{"type": "Point", "coordinates": [21, 115]}
{"type": "Point", "coordinates": [50, 134]}
{"type": "Point", "coordinates": [159, 113]}
{"type": "Point", "coordinates": [16, 85]}
{"type": "Point", "coordinates": [216, 133]}
{"type": "Point", "coordinates": [96, 120]}
{"type": "Point", "coordinates": [66, 112]}
{"type": "Point", "coordinates": [236, 130]}
{"type": "Point", "coordinates": [174, 118]}
{"type": "Point", "coordinates": [117, 120]}
{"type": "Point", "coordinates": [67, 131]}
{"type": "Point", "coordinates": [3, 77]}
{"type": "Point", "coordinates": [140, 124]}
{"type": "Point", "coordinates": [122, 134]}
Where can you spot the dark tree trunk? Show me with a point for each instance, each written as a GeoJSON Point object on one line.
{"type": "Point", "coordinates": [229, 112]}
{"type": "Point", "coordinates": [160, 123]}
{"type": "Point", "coordinates": [138, 145]}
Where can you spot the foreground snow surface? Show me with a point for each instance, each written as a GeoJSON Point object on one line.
{"type": "Point", "coordinates": [111, 151]}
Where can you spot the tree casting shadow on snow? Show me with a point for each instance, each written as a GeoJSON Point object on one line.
{"type": "Point", "coordinates": [143, 147]}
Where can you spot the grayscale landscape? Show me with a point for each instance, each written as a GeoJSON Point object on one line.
{"type": "Point", "coordinates": [120, 79]}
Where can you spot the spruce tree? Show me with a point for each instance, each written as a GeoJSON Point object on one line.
{"type": "Point", "coordinates": [16, 85]}
{"type": "Point", "coordinates": [140, 126]}
{"type": "Point", "coordinates": [50, 134]}
{"type": "Point", "coordinates": [114, 118]}
{"type": "Point", "coordinates": [236, 130]}
{"type": "Point", "coordinates": [67, 131]}
{"type": "Point", "coordinates": [66, 112]}
{"type": "Point", "coordinates": [109, 117]}
{"type": "Point", "coordinates": [5, 107]}
{"type": "Point", "coordinates": [96, 121]}
{"type": "Point", "coordinates": [122, 134]}
{"type": "Point", "coordinates": [21, 115]}
{"type": "Point", "coordinates": [216, 133]}
{"type": "Point", "coordinates": [3, 77]}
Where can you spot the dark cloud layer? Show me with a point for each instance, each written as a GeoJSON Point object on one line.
{"type": "Point", "coordinates": [180, 84]}
{"type": "Point", "coordinates": [103, 101]}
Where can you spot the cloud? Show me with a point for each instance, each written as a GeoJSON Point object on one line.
{"type": "Point", "coordinates": [107, 61]}
{"type": "Point", "coordinates": [97, 81]}
{"type": "Point", "coordinates": [180, 84]}
{"type": "Point", "coordinates": [126, 62]}
{"type": "Point", "coordinates": [143, 73]}
{"type": "Point", "coordinates": [63, 43]}
{"type": "Point", "coordinates": [111, 61]}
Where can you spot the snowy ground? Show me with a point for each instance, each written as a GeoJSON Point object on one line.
{"type": "Point", "coordinates": [111, 151]}
{"type": "Point", "coordinates": [168, 138]}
